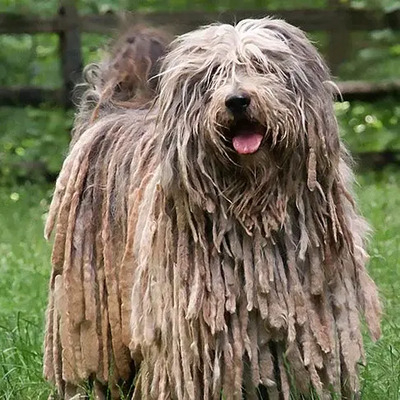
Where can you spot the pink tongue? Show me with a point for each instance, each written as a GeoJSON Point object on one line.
{"type": "Point", "coordinates": [247, 143]}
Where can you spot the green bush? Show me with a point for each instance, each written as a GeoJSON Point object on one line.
{"type": "Point", "coordinates": [370, 126]}
{"type": "Point", "coordinates": [33, 142]}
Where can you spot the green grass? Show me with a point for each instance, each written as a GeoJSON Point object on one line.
{"type": "Point", "coordinates": [24, 271]}
{"type": "Point", "coordinates": [379, 195]}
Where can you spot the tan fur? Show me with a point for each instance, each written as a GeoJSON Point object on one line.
{"type": "Point", "coordinates": [198, 272]}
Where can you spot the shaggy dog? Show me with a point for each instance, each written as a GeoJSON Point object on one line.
{"type": "Point", "coordinates": [207, 245]}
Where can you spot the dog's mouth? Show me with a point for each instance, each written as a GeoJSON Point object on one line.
{"type": "Point", "coordinates": [246, 136]}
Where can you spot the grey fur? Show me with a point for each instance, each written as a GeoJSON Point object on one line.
{"type": "Point", "coordinates": [216, 273]}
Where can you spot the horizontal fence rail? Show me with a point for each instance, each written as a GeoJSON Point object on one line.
{"type": "Point", "coordinates": [307, 19]}
{"type": "Point", "coordinates": [368, 91]}
{"type": "Point", "coordinates": [30, 96]}
{"type": "Point", "coordinates": [348, 91]}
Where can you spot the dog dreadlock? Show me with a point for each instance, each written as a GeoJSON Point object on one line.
{"type": "Point", "coordinates": [126, 79]}
{"type": "Point", "coordinates": [202, 253]}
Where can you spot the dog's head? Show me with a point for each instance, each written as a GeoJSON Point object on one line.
{"type": "Point", "coordinates": [245, 94]}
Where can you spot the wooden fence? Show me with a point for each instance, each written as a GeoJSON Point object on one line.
{"type": "Point", "coordinates": [337, 21]}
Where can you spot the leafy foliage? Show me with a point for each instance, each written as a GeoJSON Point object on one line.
{"type": "Point", "coordinates": [370, 126]}
{"type": "Point", "coordinates": [29, 60]}
{"type": "Point", "coordinates": [49, 7]}
{"type": "Point", "coordinates": [375, 56]}
{"type": "Point", "coordinates": [33, 141]}
{"type": "Point", "coordinates": [34, 59]}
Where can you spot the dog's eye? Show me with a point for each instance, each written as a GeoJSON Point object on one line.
{"type": "Point", "coordinates": [259, 67]}
{"type": "Point", "coordinates": [207, 97]}
{"type": "Point", "coordinates": [213, 73]}
{"type": "Point", "coordinates": [210, 76]}
{"type": "Point", "coordinates": [214, 70]}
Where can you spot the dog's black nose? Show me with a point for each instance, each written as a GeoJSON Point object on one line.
{"type": "Point", "coordinates": [237, 103]}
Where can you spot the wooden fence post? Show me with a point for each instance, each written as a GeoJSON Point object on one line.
{"type": "Point", "coordinates": [339, 44]}
{"type": "Point", "coordinates": [70, 48]}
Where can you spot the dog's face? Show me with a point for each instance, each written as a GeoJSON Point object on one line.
{"type": "Point", "coordinates": [242, 92]}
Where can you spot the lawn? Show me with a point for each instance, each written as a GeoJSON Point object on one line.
{"type": "Point", "coordinates": [24, 271]}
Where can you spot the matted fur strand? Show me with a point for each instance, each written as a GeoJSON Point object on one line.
{"type": "Point", "coordinates": [184, 271]}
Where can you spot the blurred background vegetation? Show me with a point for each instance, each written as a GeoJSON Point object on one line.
{"type": "Point", "coordinates": [35, 139]}
{"type": "Point", "coordinates": [34, 142]}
